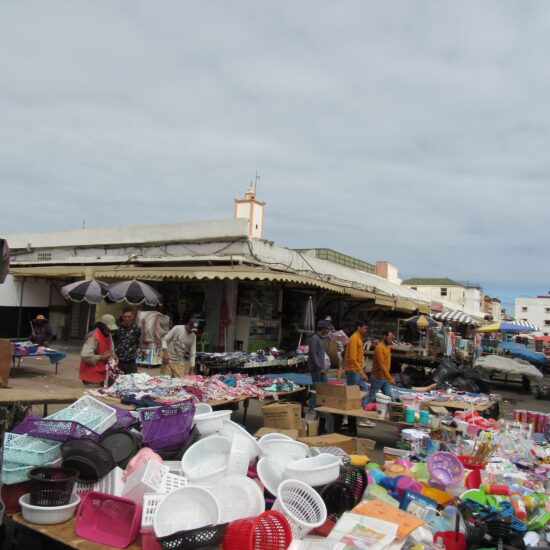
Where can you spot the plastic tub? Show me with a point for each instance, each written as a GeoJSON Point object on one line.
{"type": "Point", "coordinates": [238, 497]}
{"type": "Point", "coordinates": [271, 470]}
{"type": "Point", "coordinates": [294, 450]}
{"type": "Point", "coordinates": [210, 423]}
{"type": "Point", "coordinates": [206, 461]}
{"type": "Point", "coordinates": [315, 471]}
{"type": "Point", "coordinates": [231, 429]}
{"type": "Point", "coordinates": [48, 515]}
{"type": "Point", "coordinates": [274, 435]}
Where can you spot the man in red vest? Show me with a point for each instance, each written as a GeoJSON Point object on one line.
{"type": "Point", "coordinates": [96, 352]}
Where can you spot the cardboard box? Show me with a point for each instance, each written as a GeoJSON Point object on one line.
{"type": "Point", "coordinates": [263, 431]}
{"type": "Point", "coordinates": [309, 428]}
{"type": "Point", "coordinates": [338, 397]}
{"type": "Point", "coordinates": [284, 415]}
{"type": "Point", "coordinates": [343, 442]}
{"type": "Point", "coordinates": [365, 446]}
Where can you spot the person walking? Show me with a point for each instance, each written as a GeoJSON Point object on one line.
{"type": "Point", "coordinates": [96, 352]}
{"type": "Point", "coordinates": [127, 340]}
{"type": "Point", "coordinates": [41, 331]}
{"type": "Point", "coordinates": [316, 357]}
{"type": "Point", "coordinates": [354, 357]}
{"type": "Point", "coordinates": [179, 349]}
{"type": "Point", "coordinates": [380, 376]}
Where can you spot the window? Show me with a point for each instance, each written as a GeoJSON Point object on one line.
{"type": "Point", "coordinates": [547, 309]}
{"type": "Point", "coordinates": [443, 292]}
{"type": "Point", "coordinates": [414, 288]}
{"type": "Point", "coordinates": [547, 322]}
{"type": "Point", "coordinates": [524, 308]}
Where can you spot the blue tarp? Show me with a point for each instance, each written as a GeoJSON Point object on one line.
{"type": "Point", "coordinates": [520, 351]}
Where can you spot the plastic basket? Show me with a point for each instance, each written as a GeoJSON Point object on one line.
{"type": "Point", "coordinates": [194, 436]}
{"type": "Point", "coordinates": [271, 471]}
{"type": "Point", "coordinates": [19, 473]}
{"type": "Point", "coordinates": [301, 505]}
{"type": "Point", "coordinates": [57, 430]}
{"type": "Point", "coordinates": [11, 494]}
{"type": "Point", "coordinates": [210, 535]}
{"type": "Point", "coordinates": [107, 519]}
{"type": "Point", "coordinates": [89, 412]}
{"type": "Point", "coordinates": [292, 449]}
{"type": "Point", "coordinates": [274, 435]}
{"type": "Point", "coordinates": [211, 423]}
{"type": "Point", "coordinates": [88, 457]}
{"type": "Point", "coordinates": [171, 482]}
{"type": "Point", "coordinates": [445, 468]}
{"type": "Point", "coordinates": [111, 484]}
{"type": "Point", "coordinates": [268, 531]}
{"type": "Point", "coordinates": [51, 486]}
{"type": "Point", "coordinates": [148, 478]}
{"type": "Point", "coordinates": [410, 498]}
{"type": "Point", "coordinates": [466, 462]}
{"type": "Point", "coordinates": [33, 451]}
{"type": "Point", "coordinates": [167, 428]}
{"type": "Point", "coordinates": [48, 515]}
{"type": "Point", "coordinates": [338, 498]}
{"type": "Point", "coordinates": [202, 408]}
{"type": "Point", "coordinates": [206, 461]}
{"type": "Point", "coordinates": [356, 478]}
{"type": "Point", "coordinates": [124, 419]}
{"type": "Point", "coordinates": [150, 505]}
{"type": "Point", "coordinates": [315, 471]}
{"type": "Point", "coordinates": [186, 509]}
{"type": "Point", "coordinates": [231, 429]}
{"type": "Point", "coordinates": [239, 456]}
{"type": "Point", "coordinates": [238, 497]}
{"type": "Point", "coordinates": [336, 451]}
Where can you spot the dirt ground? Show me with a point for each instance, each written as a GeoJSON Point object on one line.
{"type": "Point", "coordinates": [38, 374]}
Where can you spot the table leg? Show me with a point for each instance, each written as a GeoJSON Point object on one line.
{"type": "Point", "coordinates": [45, 411]}
{"type": "Point", "coordinates": [56, 365]}
{"type": "Point", "coordinates": [246, 403]}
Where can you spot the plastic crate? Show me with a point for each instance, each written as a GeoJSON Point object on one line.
{"type": "Point", "coordinates": [150, 504]}
{"type": "Point", "coordinates": [28, 450]}
{"type": "Point", "coordinates": [171, 482]}
{"type": "Point", "coordinates": [17, 473]}
{"type": "Point", "coordinates": [111, 484]}
{"type": "Point", "coordinates": [148, 478]}
{"type": "Point", "coordinates": [89, 412]}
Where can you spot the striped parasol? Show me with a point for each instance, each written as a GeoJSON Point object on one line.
{"type": "Point", "coordinates": [421, 321]}
{"type": "Point", "coordinates": [90, 291]}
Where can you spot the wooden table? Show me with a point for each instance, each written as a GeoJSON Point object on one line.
{"type": "Point", "coordinates": [52, 395]}
{"type": "Point", "coordinates": [65, 533]}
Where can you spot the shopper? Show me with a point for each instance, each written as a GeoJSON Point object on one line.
{"type": "Point", "coordinates": [380, 376]}
{"type": "Point", "coordinates": [96, 351]}
{"type": "Point", "coordinates": [316, 362]}
{"type": "Point", "coordinates": [41, 331]}
{"type": "Point", "coordinates": [127, 341]}
{"type": "Point", "coordinates": [179, 348]}
{"type": "Point", "coordinates": [354, 357]}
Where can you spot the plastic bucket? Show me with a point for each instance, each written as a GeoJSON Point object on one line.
{"type": "Point", "coordinates": [451, 540]}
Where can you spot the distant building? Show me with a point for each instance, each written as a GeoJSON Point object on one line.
{"type": "Point", "coordinates": [251, 209]}
{"type": "Point", "coordinates": [534, 310]}
{"type": "Point", "coordinates": [464, 295]}
{"type": "Point", "coordinates": [492, 307]}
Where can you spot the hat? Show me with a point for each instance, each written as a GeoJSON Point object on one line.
{"type": "Point", "coordinates": [109, 321]}
{"type": "Point", "coordinates": [323, 325]}
{"type": "Point", "coordinates": [193, 322]}
{"type": "Point", "coordinates": [40, 318]}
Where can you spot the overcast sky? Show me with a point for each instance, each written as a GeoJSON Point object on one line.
{"type": "Point", "coordinates": [412, 131]}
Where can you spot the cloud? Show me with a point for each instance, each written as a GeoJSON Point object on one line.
{"type": "Point", "coordinates": [410, 131]}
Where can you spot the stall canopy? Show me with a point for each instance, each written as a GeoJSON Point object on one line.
{"type": "Point", "coordinates": [457, 317]}
{"type": "Point", "coordinates": [509, 326]}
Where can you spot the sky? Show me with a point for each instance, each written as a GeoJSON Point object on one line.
{"type": "Point", "coordinates": [414, 131]}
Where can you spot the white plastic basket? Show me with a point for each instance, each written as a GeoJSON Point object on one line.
{"type": "Point", "coordinates": [282, 447]}
{"type": "Point", "coordinates": [211, 422]}
{"type": "Point", "coordinates": [238, 497]}
{"type": "Point", "coordinates": [231, 429]}
{"type": "Point", "coordinates": [271, 471]}
{"type": "Point", "coordinates": [174, 466]}
{"type": "Point", "coordinates": [88, 411]}
{"type": "Point", "coordinates": [32, 451]}
{"type": "Point", "coordinates": [112, 484]}
{"type": "Point", "coordinates": [171, 482]}
{"type": "Point", "coordinates": [315, 471]}
{"type": "Point", "coordinates": [185, 509]}
{"type": "Point", "coordinates": [239, 456]}
{"type": "Point", "coordinates": [202, 408]}
{"type": "Point", "coordinates": [148, 478]}
{"type": "Point", "coordinates": [274, 435]}
{"type": "Point", "coordinates": [206, 460]}
{"type": "Point", "coordinates": [150, 505]}
{"type": "Point", "coordinates": [301, 505]}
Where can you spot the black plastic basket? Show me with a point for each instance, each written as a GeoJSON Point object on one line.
{"type": "Point", "coordinates": [89, 458]}
{"type": "Point", "coordinates": [51, 486]}
{"type": "Point", "coordinates": [356, 478]}
{"type": "Point", "coordinates": [211, 535]}
{"type": "Point", "coordinates": [338, 498]}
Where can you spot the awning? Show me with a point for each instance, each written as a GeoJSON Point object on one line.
{"type": "Point", "coordinates": [456, 316]}
{"type": "Point", "coordinates": [509, 326]}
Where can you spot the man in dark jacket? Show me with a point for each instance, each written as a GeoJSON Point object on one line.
{"type": "Point", "coordinates": [41, 331]}
{"type": "Point", "coordinates": [316, 357]}
{"type": "Point", "coordinates": [127, 340]}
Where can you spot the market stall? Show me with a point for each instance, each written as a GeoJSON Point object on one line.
{"type": "Point", "coordinates": [28, 350]}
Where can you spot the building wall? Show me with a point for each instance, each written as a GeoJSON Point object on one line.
{"type": "Point", "coordinates": [455, 294]}
{"type": "Point", "coordinates": [534, 310]}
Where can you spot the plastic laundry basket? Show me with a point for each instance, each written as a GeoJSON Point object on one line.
{"type": "Point", "coordinates": [268, 531]}
{"type": "Point", "coordinates": [51, 486]}
{"type": "Point", "coordinates": [106, 519]}
{"type": "Point", "coordinates": [445, 469]}
{"type": "Point", "coordinates": [301, 505]}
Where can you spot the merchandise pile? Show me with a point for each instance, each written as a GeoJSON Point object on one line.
{"type": "Point", "coordinates": [241, 359]}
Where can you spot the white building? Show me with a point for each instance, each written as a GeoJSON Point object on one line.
{"type": "Point", "coordinates": [534, 310]}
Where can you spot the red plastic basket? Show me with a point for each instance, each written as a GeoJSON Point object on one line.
{"type": "Point", "coordinates": [268, 531]}
{"type": "Point", "coordinates": [465, 460]}
{"type": "Point", "coordinates": [107, 519]}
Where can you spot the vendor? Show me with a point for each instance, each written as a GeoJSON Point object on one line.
{"type": "Point", "coordinates": [380, 377]}
{"type": "Point", "coordinates": [41, 331]}
{"type": "Point", "coordinates": [179, 349]}
{"type": "Point", "coordinates": [96, 352]}
{"type": "Point", "coordinates": [316, 357]}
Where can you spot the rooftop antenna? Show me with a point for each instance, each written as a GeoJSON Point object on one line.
{"type": "Point", "coordinates": [83, 224]}
{"type": "Point", "coordinates": [256, 178]}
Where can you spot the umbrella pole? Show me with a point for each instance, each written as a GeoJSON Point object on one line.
{"type": "Point", "coordinates": [88, 319]}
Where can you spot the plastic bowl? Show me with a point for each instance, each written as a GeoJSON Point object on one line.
{"type": "Point", "coordinates": [211, 422]}
{"type": "Point", "coordinates": [48, 515]}
{"type": "Point", "coordinates": [315, 471]}
{"type": "Point", "coordinates": [274, 435]}
{"type": "Point", "coordinates": [294, 450]}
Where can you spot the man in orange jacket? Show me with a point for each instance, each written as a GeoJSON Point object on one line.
{"type": "Point", "coordinates": [380, 376]}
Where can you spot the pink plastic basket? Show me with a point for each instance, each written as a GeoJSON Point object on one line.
{"type": "Point", "coordinates": [445, 469]}
{"type": "Point", "coordinates": [107, 519]}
